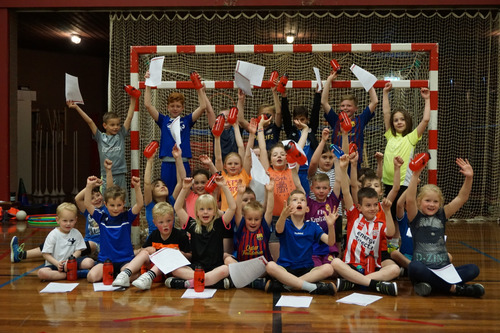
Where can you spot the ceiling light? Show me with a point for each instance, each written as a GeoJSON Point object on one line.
{"type": "Point", "coordinates": [290, 38]}
{"type": "Point", "coordinates": [76, 38]}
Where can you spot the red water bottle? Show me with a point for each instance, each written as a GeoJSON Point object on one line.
{"type": "Point", "coordinates": [71, 269]}
{"type": "Point", "coordinates": [293, 154]}
{"type": "Point", "coordinates": [419, 161]}
{"type": "Point", "coordinates": [262, 116]}
{"type": "Point", "coordinates": [199, 279]}
{"type": "Point", "coordinates": [352, 148]}
{"type": "Point", "coordinates": [274, 76]}
{"type": "Point", "coordinates": [345, 122]}
{"type": "Point", "coordinates": [337, 151]}
{"type": "Point", "coordinates": [150, 149]}
{"type": "Point", "coordinates": [195, 78]}
{"type": "Point", "coordinates": [218, 126]}
{"type": "Point", "coordinates": [232, 116]}
{"type": "Point", "coordinates": [130, 89]}
{"type": "Point", "coordinates": [107, 272]}
{"type": "Point", "coordinates": [282, 84]}
{"type": "Point", "coordinates": [335, 65]}
{"type": "Point", "coordinates": [211, 184]}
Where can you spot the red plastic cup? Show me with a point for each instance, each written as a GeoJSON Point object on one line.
{"type": "Point", "coordinates": [232, 116]}
{"type": "Point", "coordinates": [282, 84]}
{"type": "Point", "coordinates": [352, 148]}
{"type": "Point", "coordinates": [335, 65]}
{"type": "Point", "coordinates": [262, 116]}
{"type": "Point", "coordinates": [211, 184]}
{"type": "Point", "coordinates": [293, 154]}
{"type": "Point", "coordinates": [219, 125]}
{"type": "Point", "coordinates": [419, 161]}
{"type": "Point", "coordinates": [150, 149]}
{"type": "Point", "coordinates": [195, 78]}
{"type": "Point", "coordinates": [345, 122]}
{"type": "Point", "coordinates": [274, 76]}
{"type": "Point", "coordinates": [132, 91]}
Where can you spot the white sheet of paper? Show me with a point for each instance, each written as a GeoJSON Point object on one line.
{"type": "Point", "coordinates": [408, 233]}
{"type": "Point", "coordinates": [257, 171]}
{"type": "Point", "coordinates": [175, 130]}
{"type": "Point", "coordinates": [295, 301]}
{"type": "Point", "coordinates": [366, 78]}
{"type": "Point", "coordinates": [73, 89]}
{"type": "Point", "coordinates": [359, 299]}
{"type": "Point", "coordinates": [285, 142]}
{"type": "Point", "coordinates": [318, 78]}
{"type": "Point", "coordinates": [55, 287]}
{"type": "Point", "coordinates": [244, 272]}
{"type": "Point", "coordinates": [155, 71]}
{"type": "Point", "coordinates": [448, 273]}
{"type": "Point", "coordinates": [207, 293]}
{"type": "Point", "coordinates": [247, 74]}
{"type": "Point", "coordinates": [168, 259]}
{"type": "Point", "coordinates": [99, 286]}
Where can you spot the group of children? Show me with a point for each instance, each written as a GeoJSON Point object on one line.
{"type": "Point", "coordinates": [294, 221]}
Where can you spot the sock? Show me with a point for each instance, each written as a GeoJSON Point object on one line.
{"type": "Point", "coordinates": [151, 274]}
{"type": "Point", "coordinates": [189, 283]}
{"type": "Point", "coordinates": [22, 255]}
{"type": "Point", "coordinates": [373, 285]}
{"type": "Point", "coordinates": [308, 286]}
{"type": "Point", "coordinates": [128, 272]}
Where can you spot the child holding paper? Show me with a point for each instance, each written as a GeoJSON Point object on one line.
{"type": "Point", "coordinates": [427, 217]}
{"type": "Point", "coordinates": [167, 125]}
{"type": "Point", "coordinates": [164, 236]}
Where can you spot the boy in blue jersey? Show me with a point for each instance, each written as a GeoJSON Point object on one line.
{"type": "Point", "coordinates": [295, 268]}
{"type": "Point", "coordinates": [115, 225]}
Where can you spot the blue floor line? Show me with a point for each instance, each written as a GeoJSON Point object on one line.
{"type": "Point", "coordinates": [20, 276]}
{"type": "Point", "coordinates": [479, 251]}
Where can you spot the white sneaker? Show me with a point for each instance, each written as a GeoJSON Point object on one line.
{"type": "Point", "coordinates": [122, 280]}
{"type": "Point", "coordinates": [143, 282]}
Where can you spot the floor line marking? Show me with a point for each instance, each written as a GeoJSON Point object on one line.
{"type": "Point", "coordinates": [20, 276]}
{"type": "Point", "coordinates": [146, 317]}
{"type": "Point", "coordinates": [479, 251]}
{"type": "Point", "coordinates": [411, 321]}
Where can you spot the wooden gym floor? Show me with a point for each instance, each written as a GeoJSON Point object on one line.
{"type": "Point", "coordinates": [24, 309]}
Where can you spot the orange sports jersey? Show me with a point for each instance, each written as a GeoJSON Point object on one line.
{"type": "Point", "coordinates": [158, 246]}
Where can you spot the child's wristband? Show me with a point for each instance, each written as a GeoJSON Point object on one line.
{"type": "Point", "coordinates": [260, 130]}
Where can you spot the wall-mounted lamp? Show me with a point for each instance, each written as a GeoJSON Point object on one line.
{"type": "Point", "coordinates": [76, 38]}
{"type": "Point", "coordinates": [290, 37]}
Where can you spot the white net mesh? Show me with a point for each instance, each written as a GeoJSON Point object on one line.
{"type": "Point", "coordinates": [468, 76]}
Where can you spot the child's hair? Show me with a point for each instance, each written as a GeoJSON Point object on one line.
{"type": "Point", "coordinates": [203, 201]}
{"type": "Point", "coordinates": [204, 172]}
{"type": "Point", "coordinates": [408, 120]}
{"type": "Point", "coordinates": [162, 209]}
{"type": "Point", "coordinates": [265, 106]}
{"type": "Point", "coordinates": [368, 193]}
{"type": "Point", "coordinates": [233, 154]}
{"type": "Point", "coordinates": [248, 190]}
{"type": "Point", "coordinates": [326, 149]}
{"type": "Point", "coordinates": [369, 177]}
{"type": "Point", "coordinates": [96, 189]}
{"type": "Point", "coordinates": [270, 152]}
{"type": "Point", "coordinates": [349, 97]}
{"type": "Point", "coordinates": [252, 206]}
{"type": "Point", "coordinates": [110, 115]}
{"type": "Point", "coordinates": [320, 177]}
{"type": "Point", "coordinates": [366, 172]}
{"type": "Point", "coordinates": [66, 206]}
{"type": "Point", "coordinates": [114, 192]}
{"type": "Point", "coordinates": [300, 111]}
{"type": "Point", "coordinates": [294, 192]}
{"type": "Point", "coordinates": [430, 188]}
{"type": "Point", "coordinates": [176, 97]}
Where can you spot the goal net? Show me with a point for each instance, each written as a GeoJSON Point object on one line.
{"type": "Point", "coordinates": [460, 125]}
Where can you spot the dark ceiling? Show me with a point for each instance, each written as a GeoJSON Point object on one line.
{"type": "Point", "coordinates": [51, 31]}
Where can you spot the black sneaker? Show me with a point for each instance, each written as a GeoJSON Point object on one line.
{"type": "Point", "coordinates": [275, 286]}
{"type": "Point", "coordinates": [422, 288]}
{"type": "Point", "coordinates": [470, 290]}
{"type": "Point", "coordinates": [324, 289]}
{"type": "Point", "coordinates": [222, 284]}
{"type": "Point", "coordinates": [259, 283]}
{"type": "Point", "coordinates": [343, 285]}
{"type": "Point", "coordinates": [175, 283]}
{"type": "Point", "coordinates": [387, 288]}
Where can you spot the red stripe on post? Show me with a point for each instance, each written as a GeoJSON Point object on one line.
{"type": "Point", "coordinates": [302, 48]}
{"type": "Point", "coordinates": [263, 48]}
{"type": "Point", "coordinates": [423, 46]}
{"type": "Point", "coordinates": [419, 84]}
{"type": "Point", "coordinates": [381, 47]}
{"type": "Point", "coordinates": [432, 177]}
{"type": "Point", "coordinates": [433, 139]}
{"type": "Point", "coordinates": [341, 84]}
{"type": "Point", "coordinates": [302, 84]}
{"type": "Point", "coordinates": [434, 100]}
{"type": "Point", "coordinates": [341, 47]}
{"type": "Point", "coordinates": [224, 84]}
{"type": "Point", "coordinates": [434, 59]}
{"type": "Point", "coordinates": [134, 60]}
{"type": "Point", "coordinates": [145, 49]}
{"type": "Point", "coordinates": [380, 84]}
{"type": "Point", "coordinates": [134, 140]}
{"type": "Point", "coordinates": [186, 49]}
{"type": "Point", "coordinates": [184, 85]}
{"type": "Point", "coordinates": [224, 48]}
